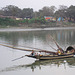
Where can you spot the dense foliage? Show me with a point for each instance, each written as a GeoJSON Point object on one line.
{"type": "Point", "coordinates": [15, 11]}
{"type": "Point", "coordinates": [8, 21]}
{"type": "Point", "coordinates": [63, 11]}
{"type": "Point", "coordinates": [11, 22]}
{"type": "Point", "coordinates": [35, 17]}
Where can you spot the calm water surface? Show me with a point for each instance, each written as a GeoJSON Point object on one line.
{"type": "Point", "coordinates": [37, 39]}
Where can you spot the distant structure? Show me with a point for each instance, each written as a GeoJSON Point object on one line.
{"type": "Point", "coordinates": [19, 19]}
{"type": "Point", "coordinates": [28, 18]}
{"type": "Point", "coordinates": [60, 19]}
{"type": "Point", "coordinates": [50, 18]}
{"type": "Point", "coordinates": [12, 17]}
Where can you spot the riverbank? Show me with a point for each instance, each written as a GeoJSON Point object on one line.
{"type": "Point", "coordinates": [35, 27]}
{"type": "Point", "coordinates": [39, 25]}
{"type": "Point", "coordinates": [17, 29]}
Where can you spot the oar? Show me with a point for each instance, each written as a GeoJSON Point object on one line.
{"type": "Point", "coordinates": [18, 58]}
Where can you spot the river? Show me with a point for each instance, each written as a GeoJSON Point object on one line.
{"type": "Point", "coordinates": [36, 38]}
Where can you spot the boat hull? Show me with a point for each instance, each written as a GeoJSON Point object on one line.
{"type": "Point", "coordinates": [47, 57]}
{"type": "Point", "coordinates": [55, 57]}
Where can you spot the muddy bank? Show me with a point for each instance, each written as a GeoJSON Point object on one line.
{"type": "Point", "coordinates": [16, 29]}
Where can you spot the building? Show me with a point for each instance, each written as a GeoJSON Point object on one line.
{"type": "Point", "coordinates": [12, 17]}
{"type": "Point", "coordinates": [49, 18]}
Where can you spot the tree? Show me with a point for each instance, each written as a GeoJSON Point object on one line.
{"type": "Point", "coordinates": [61, 12]}
{"type": "Point", "coordinates": [47, 11]}
{"type": "Point", "coordinates": [71, 13]}
{"type": "Point", "coordinates": [1, 12]}
{"type": "Point", "coordinates": [35, 14]}
{"type": "Point", "coordinates": [11, 10]}
{"type": "Point", "coordinates": [53, 8]}
{"type": "Point", "coordinates": [27, 12]}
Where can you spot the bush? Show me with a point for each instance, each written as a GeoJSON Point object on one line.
{"type": "Point", "coordinates": [37, 20]}
{"type": "Point", "coordinates": [8, 21]}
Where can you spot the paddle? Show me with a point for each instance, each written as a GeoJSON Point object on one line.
{"type": "Point", "coordinates": [18, 58]}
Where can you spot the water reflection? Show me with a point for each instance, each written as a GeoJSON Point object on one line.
{"type": "Point", "coordinates": [38, 39]}
{"type": "Point", "coordinates": [39, 64]}
{"type": "Point", "coordinates": [58, 63]}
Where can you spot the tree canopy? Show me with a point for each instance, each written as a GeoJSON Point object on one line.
{"type": "Point", "coordinates": [70, 13]}
{"type": "Point", "coordinates": [63, 11]}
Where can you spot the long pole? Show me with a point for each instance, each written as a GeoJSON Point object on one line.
{"type": "Point", "coordinates": [54, 41]}
{"type": "Point", "coordinates": [18, 58]}
{"type": "Point", "coordinates": [52, 47]}
{"type": "Point", "coordinates": [37, 50]}
{"type": "Point", "coordinates": [16, 48]}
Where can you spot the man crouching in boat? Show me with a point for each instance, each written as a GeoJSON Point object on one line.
{"type": "Point", "coordinates": [32, 53]}
{"type": "Point", "coordinates": [60, 51]}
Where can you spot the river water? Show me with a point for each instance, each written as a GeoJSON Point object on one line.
{"type": "Point", "coordinates": [37, 38]}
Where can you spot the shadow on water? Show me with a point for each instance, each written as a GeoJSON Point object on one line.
{"type": "Point", "coordinates": [40, 63]}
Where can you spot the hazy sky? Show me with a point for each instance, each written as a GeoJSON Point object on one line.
{"type": "Point", "coordinates": [36, 4]}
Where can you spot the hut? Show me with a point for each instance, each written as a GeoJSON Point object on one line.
{"type": "Point", "coordinates": [70, 48]}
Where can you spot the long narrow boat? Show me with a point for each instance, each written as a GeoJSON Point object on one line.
{"type": "Point", "coordinates": [70, 52]}
{"type": "Point", "coordinates": [50, 57]}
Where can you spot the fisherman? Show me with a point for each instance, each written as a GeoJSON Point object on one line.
{"type": "Point", "coordinates": [32, 52]}
{"type": "Point", "coordinates": [73, 51]}
{"type": "Point", "coordinates": [60, 51]}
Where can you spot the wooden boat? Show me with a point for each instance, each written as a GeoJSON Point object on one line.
{"type": "Point", "coordinates": [50, 57]}
{"type": "Point", "coordinates": [70, 52]}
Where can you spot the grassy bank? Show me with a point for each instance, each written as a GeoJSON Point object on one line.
{"type": "Point", "coordinates": [32, 23]}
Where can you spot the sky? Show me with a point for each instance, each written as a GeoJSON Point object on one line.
{"type": "Point", "coordinates": [36, 4]}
